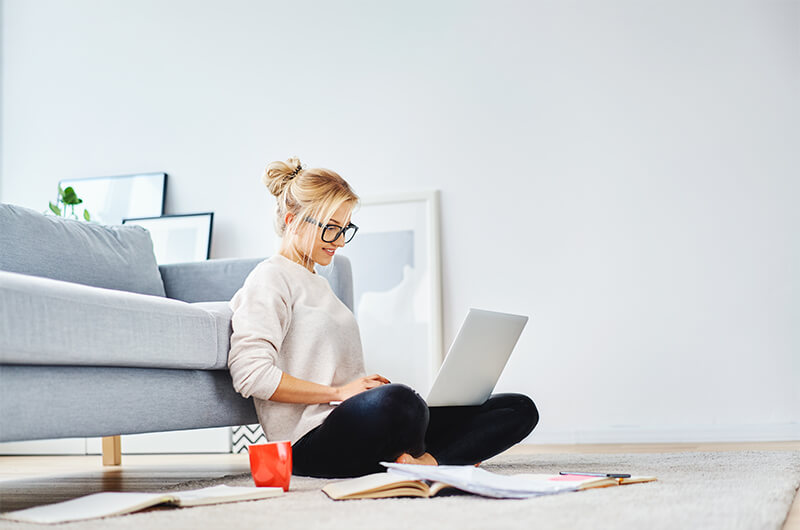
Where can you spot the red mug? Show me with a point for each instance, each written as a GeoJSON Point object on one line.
{"type": "Point", "coordinates": [271, 464]}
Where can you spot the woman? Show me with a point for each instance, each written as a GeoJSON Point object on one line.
{"type": "Point", "coordinates": [296, 347]}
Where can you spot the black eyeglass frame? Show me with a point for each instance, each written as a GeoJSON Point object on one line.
{"type": "Point", "coordinates": [338, 233]}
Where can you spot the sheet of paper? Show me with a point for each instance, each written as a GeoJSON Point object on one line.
{"type": "Point", "coordinates": [480, 481]}
{"type": "Point", "coordinates": [223, 493]}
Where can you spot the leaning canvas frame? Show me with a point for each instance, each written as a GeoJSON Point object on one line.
{"type": "Point", "coordinates": [111, 199]}
{"type": "Point", "coordinates": [406, 299]}
{"type": "Point", "coordinates": [178, 238]}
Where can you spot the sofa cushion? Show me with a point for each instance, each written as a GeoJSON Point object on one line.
{"type": "Point", "coordinates": [222, 314]}
{"type": "Point", "coordinates": [219, 279]}
{"type": "Point", "coordinates": [208, 280]}
{"type": "Point", "coordinates": [114, 257]}
{"type": "Point", "coordinates": [45, 321]}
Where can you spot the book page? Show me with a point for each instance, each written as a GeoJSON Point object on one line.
{"type": "Point", "coordinates": [436, 487]}
{"type": "Point", "coordinates": [116, 503]}
{"type": "Point", "coordinates": [222, 493]}
{"type": "Point", "coordinates": [356, 487]}
{"type": "Point", "coordinates": [88, 507]}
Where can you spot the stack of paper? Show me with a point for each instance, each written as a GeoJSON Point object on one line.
{"type": "Point", "coordinates": [482, 482]}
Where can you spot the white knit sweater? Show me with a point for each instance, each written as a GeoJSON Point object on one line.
{"type": "Point", "coordinates": [288, 319]}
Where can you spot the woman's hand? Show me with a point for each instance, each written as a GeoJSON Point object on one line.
{"type": "Point", "coordinates": [360, 385]}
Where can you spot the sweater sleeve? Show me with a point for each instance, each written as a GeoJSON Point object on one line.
{"type": "Point", "coordinates": [261, 318]}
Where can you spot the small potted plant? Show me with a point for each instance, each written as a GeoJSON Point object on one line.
{"type": "Point", "coordinates": [68, 197]}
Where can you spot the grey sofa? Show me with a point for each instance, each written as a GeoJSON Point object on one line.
{"type": "Point", "coordinates": [98, 340]}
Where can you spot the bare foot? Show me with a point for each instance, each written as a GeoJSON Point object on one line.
{"type": "Point", "coordinates": [426, 459]}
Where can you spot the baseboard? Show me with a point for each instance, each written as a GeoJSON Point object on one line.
{"type": "Point", "coordinates": [61, 446]}
{"type": "Point", "coordinates": [212, 440]}
{"type": "Point", "coordinates": [770, 432]}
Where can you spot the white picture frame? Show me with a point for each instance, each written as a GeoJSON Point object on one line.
{"type": "Point", "coordinates": [178, 238]}
{"type": "Point", "coordinates": [397, 301]}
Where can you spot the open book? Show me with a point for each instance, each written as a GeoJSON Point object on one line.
{"type": "Point", "coordinates": [381, 485]}
{"type": "Point", "coordinates": [117, 503]}
{"type": "Point", "coordinates": [410, 480]}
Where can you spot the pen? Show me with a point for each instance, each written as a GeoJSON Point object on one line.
{"type": "Point", "coordinates": [612, 475]}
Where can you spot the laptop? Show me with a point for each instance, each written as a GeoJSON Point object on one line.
{"type": "Point", "coordinates": [476, 358]}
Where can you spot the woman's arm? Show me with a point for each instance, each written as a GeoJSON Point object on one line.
{"type": "Point", "coordinates": [261, 318]}
{"type": "Point", "coordinates": [294, 390]}
{"type": "Point", "coordinates": [260, 321]}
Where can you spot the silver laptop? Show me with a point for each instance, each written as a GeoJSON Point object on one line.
{"type": "Point", "coordinates": [476, 358]}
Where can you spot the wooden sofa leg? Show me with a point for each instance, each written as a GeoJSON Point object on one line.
{"type": "Point", "coordinates": [112, 451]}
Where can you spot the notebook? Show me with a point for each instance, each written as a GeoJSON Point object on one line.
{"type": "Point", "coordinates": [110, 503]}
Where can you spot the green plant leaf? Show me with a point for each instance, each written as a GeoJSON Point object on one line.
{"type": "Point", "coordinates": [55, 209]}
{"type": "Point", "coordinates": [70, 197]}
{"type": "Point", "coordinates": [86, 215]}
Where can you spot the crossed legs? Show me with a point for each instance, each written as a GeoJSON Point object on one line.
{"type": "Point", "coordinates": [385, 422]}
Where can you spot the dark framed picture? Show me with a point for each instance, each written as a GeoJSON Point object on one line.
{"type": "Point", "coordinates": [178, 238]}
{"type": "Point", "coordinates": [112, 199]}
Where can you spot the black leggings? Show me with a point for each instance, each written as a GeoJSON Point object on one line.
{"type": "Point", "coordinates": [382, 423]}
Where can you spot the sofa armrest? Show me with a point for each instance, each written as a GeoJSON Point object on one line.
{"type": "Point", "coordinates": [218, 279]}
{"type": "Point", "coordinates": [206, 281]}
{"type": "Point", "coordinates": [340, 277]}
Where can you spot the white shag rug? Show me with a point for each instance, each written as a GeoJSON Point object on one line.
{"type": "Point", "coordinates": [731, 490]}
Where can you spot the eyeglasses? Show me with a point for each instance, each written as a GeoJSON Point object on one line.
{"type": "Point", "coordinates": [331, 233]}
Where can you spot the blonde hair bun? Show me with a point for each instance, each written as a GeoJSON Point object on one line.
{"type": "Point", "coordinates": [279, 174]}
{"type": "Point", "coordinates": [305, 192]}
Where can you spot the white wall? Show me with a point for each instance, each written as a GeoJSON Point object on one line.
{"type": "Point", "coordinates": [2, 84]}
{"type": "Point", "coordinates": [625, 172]}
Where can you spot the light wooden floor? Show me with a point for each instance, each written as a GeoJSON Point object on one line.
{"type": "Point", "coordinates": [34, 480]}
